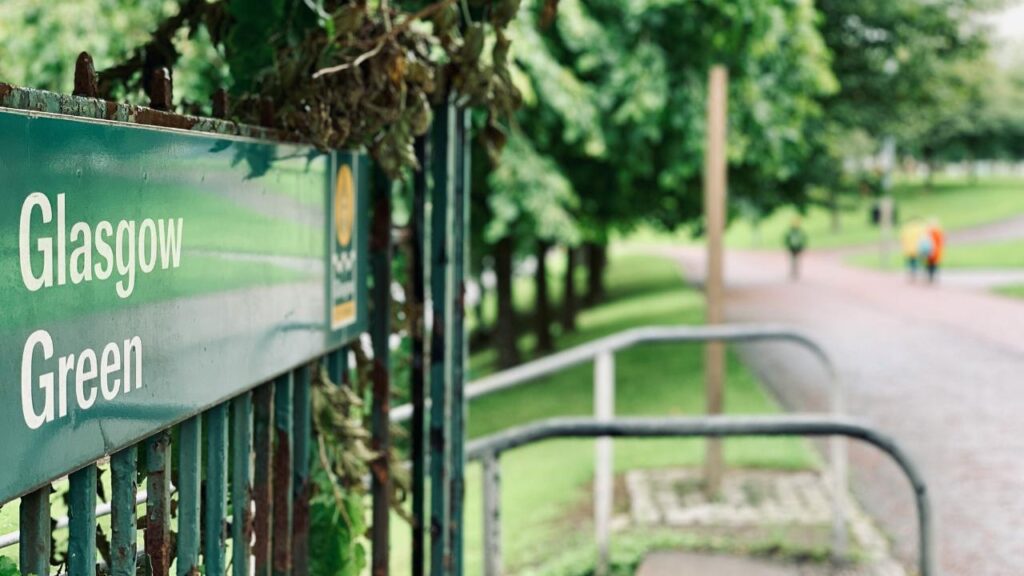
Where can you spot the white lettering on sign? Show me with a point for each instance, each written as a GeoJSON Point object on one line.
{"type": "Point", "coordinates": [116, 370]}
{"type": "Point", "coordinates": [96, 252]}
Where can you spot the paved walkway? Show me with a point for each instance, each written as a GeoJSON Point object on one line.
{"type": "Point", "coordinates": [682, 563]}
{"type": "Point", "coordinates": [938, 367]}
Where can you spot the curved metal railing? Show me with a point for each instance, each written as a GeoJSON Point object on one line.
{"type": "Point", "coordinates": [489, 450]}
{"type": "Point", "coordinates": [601, 352]}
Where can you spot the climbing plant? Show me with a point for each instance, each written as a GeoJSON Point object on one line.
{"type": "Point", "coordinates": [344, 73]}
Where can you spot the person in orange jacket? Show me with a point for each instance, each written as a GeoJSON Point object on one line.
{"type": "Point", "coordinates": [935, 256]}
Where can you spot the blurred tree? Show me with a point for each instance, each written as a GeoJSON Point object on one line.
{"type": "Point", "coordinates": [530, 206]}
{"type": "Point", "coordinates": [904, 71]}
{"type": "Point", "coordinates": [43, 39]}
{"type": "Point", "coordinates": [895, 60]}
{"type": "Point", "coordinates": [983, 122]}
{"type": "Point", "coordinates": [616, 96]}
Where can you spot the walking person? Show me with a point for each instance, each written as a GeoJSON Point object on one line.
{"type": "Point", "coordinates": [910, 238]}
{"type": "Point", "coordinates": [796, 242]}
{"type": "Point", "coordinates": [936, 239]}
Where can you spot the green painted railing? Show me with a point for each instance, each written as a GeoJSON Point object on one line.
{"type": "Point", "coordinates": [215, 455]}
{"type": "Point", "coordinates": [238, 474]}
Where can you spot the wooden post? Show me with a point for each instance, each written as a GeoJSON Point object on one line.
{"type": "Point", "coordinates": [714, 210]}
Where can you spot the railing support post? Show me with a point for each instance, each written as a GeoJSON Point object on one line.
{"type": "Point", "coordinates": [604, 409]}
{"type": "Point", "coordinates": [492, 515]}
{"type": "Point", "coordinates": [35, 532]}
{"type": "Point", "coordinates": [840, 489]}
{"type": "Point", "coordinates": [441, 218]}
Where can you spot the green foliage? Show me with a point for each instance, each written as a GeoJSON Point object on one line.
{"type": "Point", "coordinates": [343, 457]}
{"type": "Point", "coordinates": [337, 530]}
{"type": "Point", "coordinates": [42, 39]}
{"type": "Point", "coordinates": [250, 41]}
{"type": "Point", "coordinates": [339, 73]}
{"type": "Point", "coordinates": [981, 118]}
{"type": "Point", "coordinates": [8, 567]}
{"type": "Point", "coordinates": [643, 68]}
{"type": "Point", "coordinates": [894, 60]}
{"type": "Point", "coordinates": [531, 196]}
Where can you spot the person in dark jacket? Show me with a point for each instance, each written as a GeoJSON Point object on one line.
{"type": "Point", "coordinates": [796, 242]}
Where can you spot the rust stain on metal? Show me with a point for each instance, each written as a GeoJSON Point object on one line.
{"type": "Point", "coordinates": [163, 119]}
{"type": "Point", "coordinates": [32, 100]}
{"type": "Point", "coordinates": [85, 77]}
{"type": "Point", "coordinates": [267, 112]}
{"type": "Point", "coordinates": [157, 534]}
{"type": "Point", "coordinates": [262, 490]}
{"type": "Point", "coordinates": [282, 560]}
{"type": "Point", "coordinates": [247, 519]}
{"type": "Point", "coordinates": [221, 104]}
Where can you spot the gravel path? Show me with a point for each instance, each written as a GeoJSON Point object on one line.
{"type": "Point", "coordinates": [937, 367]}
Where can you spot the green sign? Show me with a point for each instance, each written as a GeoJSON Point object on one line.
{"type": "Point", "coordinates": [148, 274]}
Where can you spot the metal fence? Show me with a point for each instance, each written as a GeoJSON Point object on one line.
{"type": "Point", "coordinates": [489, 450]}
{"type": "Point", "coordinates": [242, 466]}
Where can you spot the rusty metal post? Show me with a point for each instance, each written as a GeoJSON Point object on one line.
{"type": "Point", "coordinates": [85, 77]}
{"type": "Point", "coordinates": [124, 534]}
{"type": "Point", "coordinates": [221, 104]}
{"type": "Point", "coordinates": [263, 446]}
{"type": "Point", "coordinates": [380, 332]}
{"type": "Point", "coordinates": [267, 112]}
{"type": "Point", "coordinates": [282, 522]}
{"type": "Point", "coordinates": [158, 503]}
{"type": "Point", "coordinates": [162, 97]}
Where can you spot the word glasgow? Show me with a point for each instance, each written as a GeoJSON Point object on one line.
{"type": "Point", "coordinates": [130, 240]}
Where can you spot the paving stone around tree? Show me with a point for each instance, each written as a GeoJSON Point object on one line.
{"type": "Point", "coordinates": [793, 510]}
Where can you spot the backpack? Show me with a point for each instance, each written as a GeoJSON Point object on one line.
{"type": "Point", "coordinates": [796, 240]}
{"type": "Point", "coordinates": [925, 246]}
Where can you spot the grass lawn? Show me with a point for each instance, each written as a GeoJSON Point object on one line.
{"type": "Point", "coordinates": [956, 203]}
{"type": "Point", "coordinates": [1013, 290]}
{"type": "Point", "coordinates": [545, 487]}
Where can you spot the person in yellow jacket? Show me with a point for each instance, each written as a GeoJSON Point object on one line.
{"type": "Point", "coordinates": [910, 240]}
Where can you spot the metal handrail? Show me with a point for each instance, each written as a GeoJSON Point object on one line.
{"type": "Point", "coordinates": [490, 448]}
{"type": "Point", "coordinates": [628, 338]}
{"type": "Point", "coordinates": [601, 351]}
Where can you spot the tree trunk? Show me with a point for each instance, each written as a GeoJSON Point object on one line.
{"type": "Point", "coordinates": [569, 291]}
{"type": "Point", "coordinates": [542, 314]}
{"type": "Point", "coordinates": [596, 260]}
{"type": "Point", "coordinates": [833, 202]}
{"type": "Point", "coordinates": [929, 179]}
{"type": "Point", "coordinates": [505, 330]}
